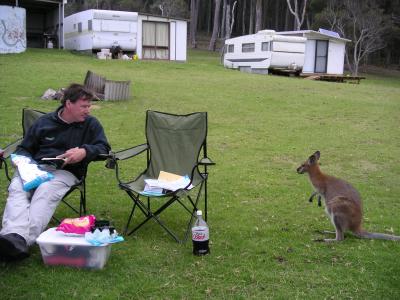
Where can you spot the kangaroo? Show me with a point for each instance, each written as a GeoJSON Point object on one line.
{"type": "Point", "coordinates": [342, 202]}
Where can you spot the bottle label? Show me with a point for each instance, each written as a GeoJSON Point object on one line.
{"type": "Point", "coordinates": [200, 234]}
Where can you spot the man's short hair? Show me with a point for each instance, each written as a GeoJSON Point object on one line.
{"type": "Point", "coordinates": [75, 92]}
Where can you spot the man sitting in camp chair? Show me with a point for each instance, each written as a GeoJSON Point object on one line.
{"type": "Point", "coordinates": [75, 138]}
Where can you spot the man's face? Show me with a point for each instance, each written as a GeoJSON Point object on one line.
{"type": "Point", "coordinates": [78, 110]}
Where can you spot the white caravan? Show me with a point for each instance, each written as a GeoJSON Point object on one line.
{"type": "Point", "coordinates": [257, 53]}
{"type": "Point", "coordinates": [97, 29]}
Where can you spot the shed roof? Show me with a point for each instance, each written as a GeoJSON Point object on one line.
{"type": "Point", "coordinates": [313, 33]}
{"type": "Point", "coordinates": [33, 4]}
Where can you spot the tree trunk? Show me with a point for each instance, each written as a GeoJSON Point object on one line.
{"type": "Point", "coordinates": [194, 12]}
{"type": "Point", "coordinates": [215, 26]}
{"type": "Point", "coordinates": [287, 20]}
{"type": "Point", "coordinates": [244, 17]}
{"type": "Point", "coordinates": [265, 20]}
{"type": "Point", "coordinates": [223, 20]}
{"type": "Point", "coordinates": [251, 22]}
{"type": "Point", "coordinates": [277, 14]}
{"type": "Point", "coordinates": [209, 17]}
{"type": "Point", "coordinates": [227, 21]}
{"type": "Point", "coordinates": [297, 12]}
{"type": "Point", "coordinates": [258, 15]}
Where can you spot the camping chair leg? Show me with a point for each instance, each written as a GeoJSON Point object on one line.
{"type": "Point", "coordinates": [149, 215]}
{"type": "Point", "coordinates": [130, 217]}
{"type": "Point", "coordinates": [83, 200]}
{"type": "Point", "coordinates": [6, 169]}
{"type": "Point", "coordinates": [205, 200]}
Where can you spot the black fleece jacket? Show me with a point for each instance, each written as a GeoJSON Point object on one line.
{"type": "Point", "coordinates": [50, 136]}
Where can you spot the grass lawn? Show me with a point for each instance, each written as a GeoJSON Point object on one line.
{"type": "Point", "coordinates": [261, 225]}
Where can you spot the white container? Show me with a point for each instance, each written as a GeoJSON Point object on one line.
{"type": "Point", "coordinates": [74, 251]}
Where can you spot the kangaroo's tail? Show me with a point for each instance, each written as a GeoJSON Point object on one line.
{"type": "Point", "coordinates": [378, 236]}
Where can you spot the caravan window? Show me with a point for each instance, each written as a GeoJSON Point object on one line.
{"type": "Point", "coordinates": [89, 25]}
{"type": "Point", "coordinates": [231, 48]}
{"type": "Point", "coordinates": [248, 47]}
{"type": "Point", "coordinates": [265, 46]}
{"type": "Point", "coordinates": [79, 27]}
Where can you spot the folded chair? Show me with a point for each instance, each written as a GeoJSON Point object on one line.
{"type": "Point", "coordinates": [176, 144]}
{"type": "Point", "coordinates": [29, 116]}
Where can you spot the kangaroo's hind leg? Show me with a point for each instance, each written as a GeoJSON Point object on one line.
{"type": "Point", "coordinates": [336, 220]}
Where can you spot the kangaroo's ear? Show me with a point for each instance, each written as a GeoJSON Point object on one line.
{"type": "Point", "coordinates": [314, 158]}
{"type": "Point", "coordinates": [317, 154]}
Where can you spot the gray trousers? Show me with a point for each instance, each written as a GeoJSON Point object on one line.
{"type": "Point", "coordinates": [28, 213]}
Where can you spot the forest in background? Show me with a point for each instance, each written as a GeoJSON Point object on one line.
{"type": "Point", "coordinates": [373, 26]}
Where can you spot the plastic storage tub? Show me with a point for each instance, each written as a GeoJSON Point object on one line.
{"type": "Point", "coordinates": [74, 251]}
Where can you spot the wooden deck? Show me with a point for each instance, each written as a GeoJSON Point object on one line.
{"type": "Point", "coordinates": [333, 78]}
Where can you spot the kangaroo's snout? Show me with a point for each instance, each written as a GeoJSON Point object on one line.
{"type": "Point", "coordinates": [300, 170]}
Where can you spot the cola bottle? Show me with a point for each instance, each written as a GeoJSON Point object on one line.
{"type": "Point", "coordinates": [200, 235]}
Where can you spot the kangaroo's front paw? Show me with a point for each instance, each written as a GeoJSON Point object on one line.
{"type": "Point", "coordinates": [330, 240]}
{"type": "Point", "coordinates": [318, 240]}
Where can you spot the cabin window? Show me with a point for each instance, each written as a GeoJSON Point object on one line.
{"type": "Point", "coordinates": [231, 48]}
{"type": "Point", "coordinates": [80, 27]}
{"type": "Point", "coordinates": [248, 47]}
{"type": "Point", "coordinates": [265, 46]}
{"type": "Point", "coordinates": [89, 25]}
{"type": "Point", "coordinates": [74, 26]}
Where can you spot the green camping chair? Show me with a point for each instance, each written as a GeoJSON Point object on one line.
{"type": "Point", "coordinates": [175, 144]}
{"type": "Point", "coordinates": [29, 116]}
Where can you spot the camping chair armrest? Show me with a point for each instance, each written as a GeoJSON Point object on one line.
{"type": "Point", "coordinates": [11, 148]}
{"type": "Point", "coordinates": [130, 152]}
{"type": "Point", "coordinates": [5, 153]}
{"type": "Point", "coordinates": [205, 161]}
{"type": "Point", "coordinates": [113, 157]}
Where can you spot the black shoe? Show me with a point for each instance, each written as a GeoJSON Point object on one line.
{"type": "Point", "coordinates": [13, 247]}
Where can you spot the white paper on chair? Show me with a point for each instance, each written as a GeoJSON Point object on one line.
{"type": "Point", "coordinates": [156, 187]}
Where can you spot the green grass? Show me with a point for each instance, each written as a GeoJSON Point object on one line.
{"type": "Point", "coordinates": [261, 224]}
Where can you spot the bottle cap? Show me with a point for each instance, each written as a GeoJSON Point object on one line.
{"type": "Point", "coordinates": [199, 213]}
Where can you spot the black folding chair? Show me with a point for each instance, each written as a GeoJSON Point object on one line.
{"type": "Point", "coordinates": [29, 116]}
{"type": "Point", "coordinates": [176, 144]}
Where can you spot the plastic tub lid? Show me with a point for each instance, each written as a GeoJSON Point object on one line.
{"type": "Point", "coordinates": [51, 236]}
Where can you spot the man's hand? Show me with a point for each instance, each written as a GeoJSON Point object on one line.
{"type": "Point", "coordinates": [73, 155]}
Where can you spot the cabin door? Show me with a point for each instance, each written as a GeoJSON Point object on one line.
{"type": "Point", "coordinates": [321, 56]}
{"type": "Point", "coordinates": [155, 36]}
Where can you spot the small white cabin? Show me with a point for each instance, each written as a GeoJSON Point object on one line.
{"type": "Point", "coordinates": [257, 53]}
{"type": "Point", "coordinates": [161, 38]}
{"type": "Point", "coordinates": [150, 37]}
{"type": "Point", "coordinates": [324, 53]}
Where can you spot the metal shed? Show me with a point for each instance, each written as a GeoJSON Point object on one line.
{"type": "Point", "coordinates": [44, 21]}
